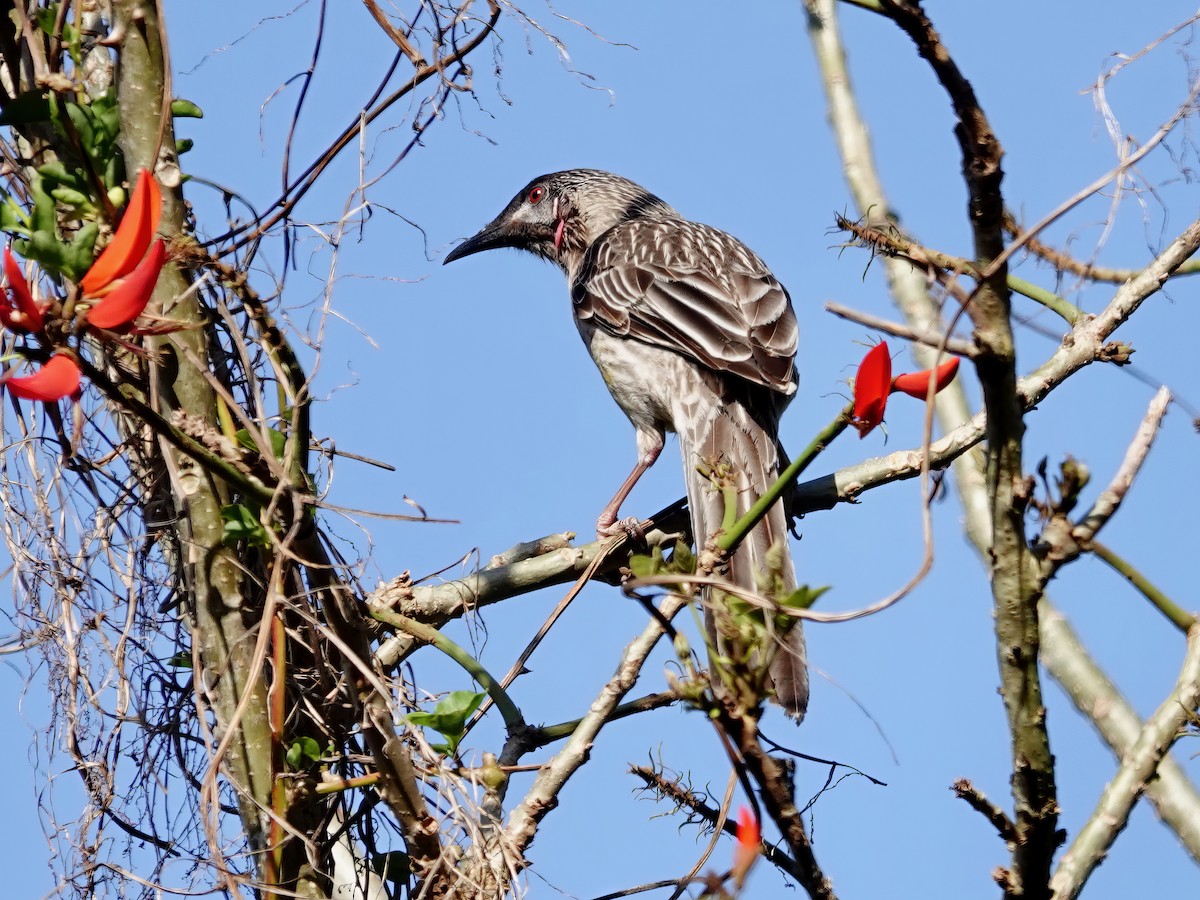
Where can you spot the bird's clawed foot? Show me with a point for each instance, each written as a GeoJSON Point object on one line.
{"type": "Point", "coordinates": [607, 527]}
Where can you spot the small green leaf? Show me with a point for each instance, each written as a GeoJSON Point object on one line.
{"type": "Point", "coordinates": [186, 109]}
{"type": "Point", "coordinates": [803, 597]}
{"type": "Point", "coordinates": [181, 660]}
{"type": "Point", "coordinates": [44, 245]}
{"type": "Point", "coordinates": [449, 717]}
{"type": "Point", "coordinates": [45, 17]}
{"type": "Point", "coordinates": [81, 118]}
{"type": "Point", "coordinates": [106, 116]}
{"type": "Point", "coordinates": [183, 145]}
{"type": "Point", "coordinates": [72, 197]}
{"type": "Point", "coordinates": [643, 565]}
{"type": "Point", "coordinates": [23, 109]}
{"type": "Point", "coordinates": [302, 751]}
{"type": "Point", "coordinates": [78, 255]}
{"type": "Point", "coordinates": [58, 173]}
{"type": "Point", "coordinates": [683, 560]}
{"type": "Point", "coordinates": [277, 438]}
{"type": "Point", "coordinates": [114, 176]}
{"type": "Point", "coordinates": [12, 217]}
{"type": "Point", "coordinates": [242, 524]}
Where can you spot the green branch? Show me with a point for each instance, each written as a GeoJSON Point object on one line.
{"type": "Point", "coordinates": [737, 532]}
{"type": "Point", "coordinates": [513, 719]}
{"type": "Point", "coordinates": [1179, 617]}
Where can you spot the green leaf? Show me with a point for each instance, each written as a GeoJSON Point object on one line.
{"type": "Point", "coordinates": [242, 524]}
{"type": "Point", "coordinates": [643, 565]}
{"type": "Point", "coordinates": [107, 116]}
{"type": "Point", "coordinates": [183, 145]}
{"type": "Point", "coordinates": [58, 173]}
{"type": "Point", "coordinates": [186, 109]}
{"type": "Point", "coordinates": [803, 597]}
{"type": "Point", "coordinates": [181, 660]}
{"type": "Point", "coordinates": [43, 246]}
{"type": "Point", "coordinates": [72, 197]}
{"type": "Point", "coordinates": [277, 438]}
{"type": "Point", "coordinates": [23, 109]}
{"type": "Point", "coordinates": [114, 175]}
{"type": "Point", "coordinates": [302, 752]}
{"type": "Point", "coordinates": [12, 217]}
{"type": "Point", "coordinates": [81, 118]}
{"type": "Point", "coordinates": [393, 866]}
{"type": "Point", "coordinates": [45, 17]}
{"type": "Point", "coordinates": [78, 255]}
{"type": "Point", "coordinates": [449, 717]}
{"type": "Point", "coordinates": [306, 749]}
{"type": "Point", "coordinates": [683, 560]}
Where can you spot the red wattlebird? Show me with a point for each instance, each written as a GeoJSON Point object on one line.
{"type": "Point", "coordinates": [692, 334]}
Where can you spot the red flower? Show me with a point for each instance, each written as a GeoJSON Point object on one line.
{"type": "Point", "coordinates": [58, 378]}
{"type": "Point", "coordinates": [125, 302]}
{"type": "Point", "coordinates": [916, 384]}
{"type": "Point", "coordinates": [131, 239]}
{"type": "Point", "coordinates": [874, 383]}
{"type": "Point", "coordinates": [749, 845]}
{"type": "Point", "coordinates": [19, 312]}
{"type": "Point", "coordinates": [871, 388]}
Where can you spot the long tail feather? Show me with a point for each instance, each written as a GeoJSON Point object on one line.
{"type": "Point", "coordinates": [728, 432]}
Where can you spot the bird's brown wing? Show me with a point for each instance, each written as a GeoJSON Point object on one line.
{"type": "Point", "coordinates": [694, 290]}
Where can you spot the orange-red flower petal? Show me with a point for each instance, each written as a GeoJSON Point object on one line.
{"type": "Point", "coordinates": [19, 312]}
{"type": "Point", "coordinates": [916, 384]}
{"type": "Point", "coordinates": [872, 385]}
{"type": "Point", "coordinates": [132, 237]}
{"type": "Point", "coordinates": [125, 302]}
{"type": "Point", "coordinates": [749, 845]}
{"type": "Point", "coordinates": [58, 378]}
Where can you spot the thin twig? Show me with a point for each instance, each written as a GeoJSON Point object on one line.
{"type": "Point", "coordinates": [934, 339]}
{"type": "Point", "coordinates": [1180, 618]}
{"type": "Point", "coordinates": [975, 798]}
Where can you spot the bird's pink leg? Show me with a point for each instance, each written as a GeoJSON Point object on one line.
{"type": "Point", "coordinates": [649, 447]}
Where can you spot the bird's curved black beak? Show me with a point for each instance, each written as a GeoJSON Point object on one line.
{"type": "Point", "coordinates": [491, 236]}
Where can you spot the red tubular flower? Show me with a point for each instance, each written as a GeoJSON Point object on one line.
{"type": "Point", "coordinates": [749, 844]}
{"type": "Point", "coordinates": [19, 312]}
{"type": "Point", "coordinates": [872, 385]}
{"type": "Point", "coordinates": [916, 384]}
{"type": "Point", "coordinates": [129, 242]}
{"type": "Point", "coordinates": [56, 379]}
{"type": "Point", "coordinates": [125, 302]}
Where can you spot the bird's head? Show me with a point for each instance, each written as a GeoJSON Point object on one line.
{"type": "Point", "coordinates": [558, 216]}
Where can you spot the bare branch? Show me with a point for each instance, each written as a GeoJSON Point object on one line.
{"type": "Point", "coordinates": [878, 323]}
{"type": "Point", "coordinates": [1137, 769]}
{"type": "Point", "coordinates": [964, 790]}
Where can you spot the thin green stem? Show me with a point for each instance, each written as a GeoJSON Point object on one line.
{"type": "Point", "coordinates": [1069, 311]}
{"type": "Point", "coordinates": [738, 531]}
{"type": "Point", "coordinates": [1179, 617]}
{"type": "Point", "coordinates": [430, 635]}
{"type": "Point", "coordinates": [546, 734]}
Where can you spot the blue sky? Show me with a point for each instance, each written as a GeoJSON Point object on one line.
{"type": "Point", "coordinates": [474, 384]}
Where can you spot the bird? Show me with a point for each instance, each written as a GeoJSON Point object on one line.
{"type": "Point", "coordinates": [692, 335]}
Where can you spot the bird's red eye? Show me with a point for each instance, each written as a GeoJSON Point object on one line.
{"type": "Point", "coordinates": [537, 194]}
